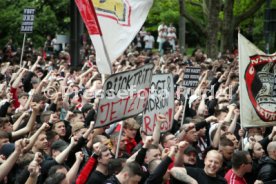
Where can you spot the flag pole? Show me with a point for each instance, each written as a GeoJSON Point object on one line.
{"type": "Point", "coordinates": [102, 40]}
{"type": "Point", "coordinates": [106, 53]}
{"type": "Point", "coordinates": [22, 50]}
{"type": "Point", "coordinates": [185, 104]}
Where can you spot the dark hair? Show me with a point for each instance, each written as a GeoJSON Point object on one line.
{"type": "Point", "coordinates": [59, 145]}
{"type": "Point", "coordinates": [50, 135]}
{"type": "Point", "coordinates": [54, 124]}
{"type": "Point", "coordinates": [163, 138]}
{"type": "Point", "coordinates": [225, 142]}
{"type": "Point", "coordinates": [239, 158]}
{"type": "Point", "coordinates": [55, 178]}
{"type": "Point", "coordinates": [115, 165]}
{"type": "Point", "coordinates": [133, 168]}
{"type": "Point", "coordinates": [38, 97]}
{"type": "Point", "coordinates": [54, 169]}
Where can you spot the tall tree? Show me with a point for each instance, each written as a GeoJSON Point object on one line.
{"type": "Point", "coordinates": [182, 27]}
{"type": "Point", "coordinates": [232, 21]}
{"type": "Point", "coordinates": [210, 27]}
{"type": "Point", "coordinates": [228, 22]}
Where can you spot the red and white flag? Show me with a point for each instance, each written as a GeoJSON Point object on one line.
{"type": "Point", "coordinates": [112, 25]}
{"type": "Point", "coordinates": [257, 85]}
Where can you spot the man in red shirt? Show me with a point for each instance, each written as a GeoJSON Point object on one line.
{"type": "Point", "coordinates": [241, 164]}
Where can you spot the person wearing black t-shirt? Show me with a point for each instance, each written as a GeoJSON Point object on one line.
{"type": "Point", "coordinates": [208, 175]}
{"type": "Point", "coordinates": [100, 174]}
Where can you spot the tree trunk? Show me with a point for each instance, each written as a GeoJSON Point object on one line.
{"type": "Point", "coordinates": [227, 27]}
{"type": "Point", "coordinates": [182, 27]}
{"type": "Point", "coordinates": [212, 28]}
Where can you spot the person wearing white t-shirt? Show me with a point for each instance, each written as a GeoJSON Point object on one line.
{"type": "Point", "coordinates": [162, 34]}
{"type": "Point", "coordinates": [149, 41]}
{"type": "Point", "coordinates": [172, 38]}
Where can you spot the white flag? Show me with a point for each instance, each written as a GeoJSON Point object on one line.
{"type": "Point", "coordinates": [257, 85]}
{"type": "Point", "coordinates": [116, 24]}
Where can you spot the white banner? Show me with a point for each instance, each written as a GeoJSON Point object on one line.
{"type": "Point", "coordinates": [124, 95]}
{"type": "Point", "coordinates": [119, 22]}
{"type": "Point", "coordinates": [160, 101]}
{"type": "Point", "coordinates": [257, 85]}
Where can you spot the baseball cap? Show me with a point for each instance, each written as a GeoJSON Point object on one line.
{"type": "Point", "coordinates": [189, 150]}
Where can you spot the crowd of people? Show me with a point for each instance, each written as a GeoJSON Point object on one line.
{"type": "Point", "coordinates": [48, 110]}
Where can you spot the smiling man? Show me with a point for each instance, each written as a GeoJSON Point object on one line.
{"type": "Point", "coordinates": [212, 164]}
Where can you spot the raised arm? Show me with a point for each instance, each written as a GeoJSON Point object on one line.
{"type": "Point", "coordinates": [202, 105]}
{"type": "Point", "coordinates": [34, 137]}
{"type": "Point", "coordinates": [233, 124]}
{"type": "Point", "coordinates": [178, 113]}
{"type": "Point", "coordinates": [64, 154]}
{"type": "Point", "coordinates": [72, 173]}
{"type": "Point", "coordinates": [231, 109]}
{"type": "Point", "coordinates": [6, 167]}
{"type": "Point", "coordinates": [179, 155]}
{"type": "Point", "coordinates": [34, 169]}
{"type": "Point", "coordinates": [89, 130]}
{"type": "Point", "coordinates": [215, 141]}
{"type": "Point", "coordinates": [18, 121]}
{"type": "Point", "coordinates": [156, 131]}
{"type": "Point", "coordinates": [30, 124]}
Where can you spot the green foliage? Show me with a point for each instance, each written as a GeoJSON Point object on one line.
{"type": "Point", "coordinates": [241, 5]}
{"type": "Point", "coordinates": [51, 17]}
{"type": "Point", "coordinates": [162, 11]}
{"type": "Point", "coordinates": [168, 12]}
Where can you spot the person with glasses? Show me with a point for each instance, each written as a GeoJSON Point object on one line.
{"type": "Point", "coordinates": [241, 164]}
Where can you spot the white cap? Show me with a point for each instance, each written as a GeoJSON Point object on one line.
{"type": "Point", "coordinates": [192, 99]}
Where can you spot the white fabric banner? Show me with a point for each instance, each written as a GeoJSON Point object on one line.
{"type": "Point", "coordinates": [120, 21]}
{"type": "Point", "coordinates": [257, 85]}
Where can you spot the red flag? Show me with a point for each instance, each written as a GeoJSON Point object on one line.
{"type": "Point", "coordinates": [89, 16]}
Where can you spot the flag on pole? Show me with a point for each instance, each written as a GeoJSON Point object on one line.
{"type": "Point", "coordinates": [112, 25]}
{"type": "Point", "coordinates": [257, 85]}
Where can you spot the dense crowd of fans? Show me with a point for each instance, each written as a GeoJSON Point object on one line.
{"type": "Point", "coordinates": [48, 109]}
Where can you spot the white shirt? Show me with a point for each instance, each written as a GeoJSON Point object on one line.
{"type": "Point", "coordinates": [149, 40]}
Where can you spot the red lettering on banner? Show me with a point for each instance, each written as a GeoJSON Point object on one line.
{"type": "Point", "coordinates": [102, 110]}
{"type": "Point", "coordinates": [149, 125]}
{"type": "Point", "coordinates": [127, 99]}
{"type": "Point", "coordinates": [131, 107]}
{"type": "Point", "coordinates": [113, 112]}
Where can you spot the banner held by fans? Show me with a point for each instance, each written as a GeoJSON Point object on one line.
{"type": "Point", "coordinates": [28, 20]}
{"type": "Point", "coordinates": [191, 77]}
{"type": "Point", "coordinates": [159, 102]}
{"type": "Point", "coordinates": [124, 95]}
{"type": "Point", "coordinates": [257, 85]}
{"type": "Point", "coordinates": [115, 26]}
